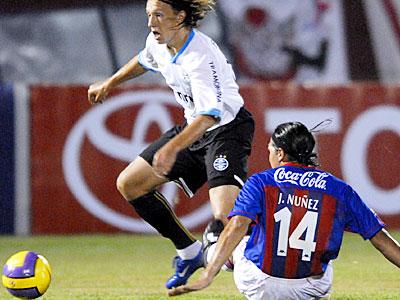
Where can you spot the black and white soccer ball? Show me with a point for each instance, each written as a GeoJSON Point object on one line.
{"type": "Point", "coordinates": [210, 238]}
{"type": "Point", "coordinates": [208, 254]}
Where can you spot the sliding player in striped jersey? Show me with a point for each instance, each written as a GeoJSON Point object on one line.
{"type": "Point", "coordinates": [299, 214]}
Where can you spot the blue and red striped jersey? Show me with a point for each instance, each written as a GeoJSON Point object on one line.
{"type": "Point", "coordinates": [299, 215]}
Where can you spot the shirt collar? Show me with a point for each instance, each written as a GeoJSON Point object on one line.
{"type": "Point", "coordinates": [183, 48]}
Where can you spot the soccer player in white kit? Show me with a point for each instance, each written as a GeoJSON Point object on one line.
{"type": "Point", "coordinates": [213, 144]}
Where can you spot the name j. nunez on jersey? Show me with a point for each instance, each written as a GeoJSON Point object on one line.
{"type": "Point", "coordinates": [300, 201]}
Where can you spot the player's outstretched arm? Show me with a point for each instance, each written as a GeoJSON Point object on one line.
{"type": "Point", "coordinates": [387, 245]}
{"type": "Point", "coordinates": [98, 91]}
{"type": "Point", "coordinates": [230, 237]}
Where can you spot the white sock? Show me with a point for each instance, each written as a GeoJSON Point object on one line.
{"type": "Point", "coordinates": [190, 252]}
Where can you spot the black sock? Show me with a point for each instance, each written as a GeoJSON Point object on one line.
{"type": "Point", "coordinates": [155, 210]}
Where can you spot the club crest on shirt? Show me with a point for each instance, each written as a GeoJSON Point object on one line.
{"type": "Point", "coordinates": [221, 163]}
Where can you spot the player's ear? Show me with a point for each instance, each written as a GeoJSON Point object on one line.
{"type": "Point", "coordinates": [181, 16]}
{"type": "Point", "coordinates": [281, 154]}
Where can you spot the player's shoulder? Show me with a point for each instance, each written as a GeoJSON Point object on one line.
{"type": "Point", "coordinates": [199, 48]}
{"type": "Point", "coordinates": [335, 181]}
{"type": "Point", "coordinates": [199, 39]}
{"type": "Point", "coordinates": [202, 38]}
{"type": "Point", "coordinates": [335, 186]}
{"type": "Point", "coordinates": [265, 177]}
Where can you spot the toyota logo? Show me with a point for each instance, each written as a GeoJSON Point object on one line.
{"type": "Point", "coordinates": [92, 126]}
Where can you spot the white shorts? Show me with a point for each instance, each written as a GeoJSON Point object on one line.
{"type": "Point", "coordinates": [255, 284]}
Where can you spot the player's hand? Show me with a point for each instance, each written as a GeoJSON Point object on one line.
{"type": "Point", "coordinates": [97, 92]}
{"type": "Point", "coordinates": [164, 160]}
{"type": "Point", "coordinates": [198, 285]}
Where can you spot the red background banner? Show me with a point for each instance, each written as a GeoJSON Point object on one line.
{"type": "Point", "coordinates": [361, 146]}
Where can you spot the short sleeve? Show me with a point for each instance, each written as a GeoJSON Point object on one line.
{"type": "Point", "coordinates": [359, 217]}
{"type": "Point", "coordinates": [206, 85]}
{"type": "Point", "coordinates": [146, 58]}
{"type": "Point", "coordinates": [249, 201]}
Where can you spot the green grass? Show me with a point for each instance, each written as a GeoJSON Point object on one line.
{"type": "Point", "coordinates": [113, 267]}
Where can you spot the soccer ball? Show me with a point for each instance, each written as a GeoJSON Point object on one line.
{"type": "Point", "coordinates": [26, 275]}
{"type": "Point", "coordinates": [209, 252]}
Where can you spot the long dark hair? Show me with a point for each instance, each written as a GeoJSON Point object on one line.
{"type": "Point", "coordinates": [195, 10]}
{"type": "Point", "coordinates": [297, 142]}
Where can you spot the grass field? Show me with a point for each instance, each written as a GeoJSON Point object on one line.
{"type": "Point", "coordinates": [113, 267]}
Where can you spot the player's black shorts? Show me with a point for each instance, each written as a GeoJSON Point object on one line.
{"type": "Point", "coordinates": [219, 157]}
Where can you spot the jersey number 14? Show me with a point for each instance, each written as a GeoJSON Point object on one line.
{"type": "Point", "coordinates": [307, 225]}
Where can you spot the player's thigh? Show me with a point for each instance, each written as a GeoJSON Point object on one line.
{"type": "Point", "coordinates": [320, 287]}
{"type": "Point", "coordinates": [249, 279]}
{"type": "Point", "coordinates": [227, 155]}
{"type": "Point", "coordinates": [188, 171]}
{"type": "Point", "coordinates": [148, 153]}
{"type": "Point", "coordinates": [257, 285]}
{"type": "Point", "coordinates": [226, 163]}
{"type": "Point", "coordinates": [138, 178]}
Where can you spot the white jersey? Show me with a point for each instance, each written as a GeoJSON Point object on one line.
{"type": "Point", "coordinates": [200, 76]}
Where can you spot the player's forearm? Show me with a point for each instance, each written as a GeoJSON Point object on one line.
{"type": "Point", "coordinates": [388, 246]}
{"type": "Point", "coordinates": [192, 132]}
{"type": "Point", "coordinates": [230, 237]}
{"type": "Point", "coordinates": [130, 70]}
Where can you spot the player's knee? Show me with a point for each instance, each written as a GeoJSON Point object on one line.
{"type": "Point", "coordinates": [127, 187]}
{"type": "Point", "coordinates": [121, 184]}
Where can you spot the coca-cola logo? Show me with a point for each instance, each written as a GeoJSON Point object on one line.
{"type": "Point", "coordinates": [92, 126]}
{"type": "Point", "coordinates": [307, 179]}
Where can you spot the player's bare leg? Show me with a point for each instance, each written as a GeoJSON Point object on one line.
{"type": "Point", "coordinates": [222, 199]}
{"type": "Point", "coordinates": [138, 179]}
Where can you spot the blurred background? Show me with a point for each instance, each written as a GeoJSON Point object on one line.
{"type": "Point", "coordinates": [297, 60]}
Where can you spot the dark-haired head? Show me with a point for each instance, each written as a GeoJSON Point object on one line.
{"type": "Point", "coordinates": [195, 10]}
{"type": "Point", "coordinates": [297, 142]}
